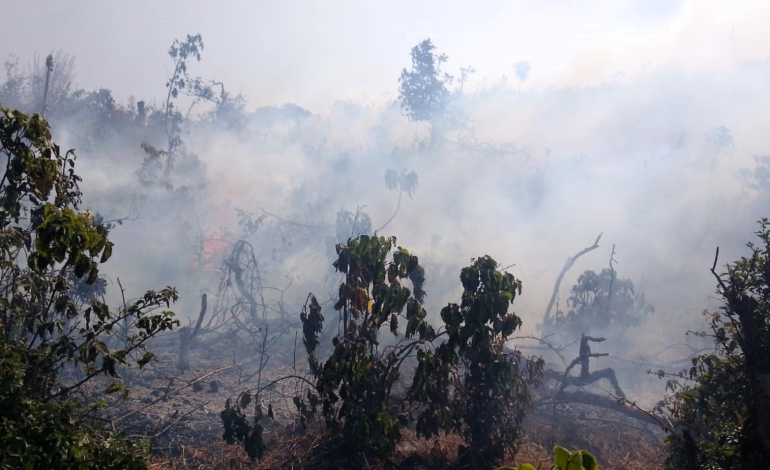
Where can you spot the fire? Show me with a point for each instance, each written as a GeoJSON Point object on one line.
{"type": "Point", "coordinates": [213, 248]}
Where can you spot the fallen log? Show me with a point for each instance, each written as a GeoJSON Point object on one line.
{"type": "Point", "coordinates": [604, 401]}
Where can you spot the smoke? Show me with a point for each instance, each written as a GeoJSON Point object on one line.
{"type": "Point", "coordinates": [621, 142]}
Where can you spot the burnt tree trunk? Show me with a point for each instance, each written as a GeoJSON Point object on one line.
{"type": "Point", "coordinates": [187, 336]}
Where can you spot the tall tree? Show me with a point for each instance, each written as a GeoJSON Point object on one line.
{"type": "Point", "coordinates": [423, 90]}
{"type": "Point", "coordinates": [522, 71]}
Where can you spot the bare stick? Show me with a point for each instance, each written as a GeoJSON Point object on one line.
{"type": "Point", "coordinates": [612, 279]}
{"type": "Point", "coordinates": [48, 70]}
{"type": "Point", "coordinates": [186, 337]}
{"type": "Point", "coordinates": [567, 266]}
{"type": "Point", "coordinates": [179, 418]}
{"type": "Point", "coordinates": [714, 272]}
{"type": "Point", "coordinates": [398, 206]}
{"type": "Point", "coordinates": [204, 305]}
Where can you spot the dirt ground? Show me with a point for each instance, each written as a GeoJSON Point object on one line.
{"type": "Point", "coordinates": [181, 413]}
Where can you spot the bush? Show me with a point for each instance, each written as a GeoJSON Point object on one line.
{"type": "Point", "coordinates": [465, 381]}
{"type": "Point", "coordinates": [470, 385]}
{"type": "Point", "coordinates": [723, 420]}
{"type": "Point", "coordinates": [51, 344]}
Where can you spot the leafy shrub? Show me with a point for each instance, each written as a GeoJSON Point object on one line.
{"type": "Point", "coordinates": [354, 384]}
{"type": "Point", "coordinates": [470, 385]}
{"type": "Point", "coordinates": [465, 380]}
{"type": "Point", "coordinates": [51, 340]}
{"type": "Point", "coordinates": [723, 420]}
{"type": "Point", "coordinates": [351, 389]}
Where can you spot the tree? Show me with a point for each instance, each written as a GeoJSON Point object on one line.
{"type": "Point", "coordinates": [601, 303]}
{"type": "Point", "coordinates": [723, 421]}
{"type": "Point", "coordinates": [469, 384]}
{"type": "Point", "coordinates": [423, 91]}
{"type": "Point", "coordinates": [522, 71]}
{"type": "Point", "coordinates": [54, 335]}
{"type": "Point", "coordinates": [721, 140]}
{"type": "Point", "coordinates": [179, 82]}
{"type": "Point", "coordinates": [403, 181]}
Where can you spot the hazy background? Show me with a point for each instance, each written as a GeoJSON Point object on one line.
{"type": "Point", "coordinates": [314, 53]}
{"type": "Point", "coordinates": [611, 132]}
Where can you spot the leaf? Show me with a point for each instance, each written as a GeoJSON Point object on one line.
{"type": "Point", "coordinates": [107, 253]}
{"type": "Point", "coordinates": [114, 387]}
{"type": "Point", "coordinates": [148, 356]}
{"type": "Point", "coordinates": [589, 461]}
{"type": "Point", "coordinates": [561, 457]}
{"type": "Point", "coordinates": [245, 399]}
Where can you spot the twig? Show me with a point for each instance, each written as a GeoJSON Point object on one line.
{"type": "Point", "coordinates": [171, 393]}
{"type": "Point", "coordinates": [173, 423]}
{"type": "Point", "coordinates": [714, 271]}
{"type": "Point", "coordinates": [398, 206]}
{"type": "Point", "coordinates": [612, 279]}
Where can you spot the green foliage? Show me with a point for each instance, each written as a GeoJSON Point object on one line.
{"type": "Point", "coordinates": [601, 303]}
{"type": "Point", "coordinates": [708, 416]}
{"type": "Point", "coordinates": [355, 382]}
{"type": "Point", "coordinates": [722, 420]}
{"type": "Point", "coordinates": [491, 386]}
{"type": "Point", "coordinates": [179, 82]}
{"type": "Point", "coordinates": [468, 384]}
{"type": "Point", "coordinates": [402, 180]}
{"type": "Point", "coordinates": [564, 460]}
{"type": "Point", "coordinates": [352, 387]}
{"type": "Point", "coordinates": [51, 341]}
{"type": "Point", "coordinates": [237, 427]}
{"type": "Point", "coordinates": [423, 91]}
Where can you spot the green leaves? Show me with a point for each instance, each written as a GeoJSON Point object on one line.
{"type": "Point", "coordinates": [493, 393]}
{"type": "Point", "coordinates": [353, 384]}
{"type": "Point", "coordinates": [423, 91]}
{"type": "Point", "coordinates": [51, 322]}
{"type": "Point", "coordinates": [564, 460]}
{"type": "Point", "coordinates": [146, 359]}
{"type": "Point", "coordinates": [601, 301]}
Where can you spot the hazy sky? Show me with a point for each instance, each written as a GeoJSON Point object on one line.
{"type": "Point", "coordinates": [313, 53]}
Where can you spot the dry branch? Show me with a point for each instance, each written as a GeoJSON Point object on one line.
{"type": "Point", "coordinates": [603, 401]}
{"type": "Point", "coordinates": [186, 337]}
{"type": "Point", "coordinates": [567, 266]}
{"type": "Point", "coordinates": [120, 419]}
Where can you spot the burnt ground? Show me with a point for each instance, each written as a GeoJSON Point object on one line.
{"type": "Point", "coordinates": [180, 413]}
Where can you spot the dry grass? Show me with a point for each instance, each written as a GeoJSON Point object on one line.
{"type": "Point", "coordinates": [188, 428]}
{"type": "Point", "coordinates": [618, 443]}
